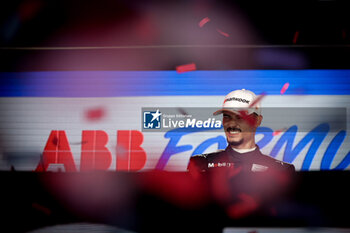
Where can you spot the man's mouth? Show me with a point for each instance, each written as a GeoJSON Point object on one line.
{"type": "Point", "coordinates": [233, 130]}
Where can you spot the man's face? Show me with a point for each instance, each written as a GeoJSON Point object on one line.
{"type": "Point", "coordinates": [240, 131]}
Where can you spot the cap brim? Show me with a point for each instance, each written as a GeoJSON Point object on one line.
{"type": "Point", "coordinates": [220, 111]}
{"type": "Point", "coordinates": [238, 111]}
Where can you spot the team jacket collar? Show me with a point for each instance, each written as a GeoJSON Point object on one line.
{"type": "Point", "coordinates": [234, 153]}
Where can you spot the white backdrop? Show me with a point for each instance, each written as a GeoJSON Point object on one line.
{"type": "Point", "coordinates": [26, 123]}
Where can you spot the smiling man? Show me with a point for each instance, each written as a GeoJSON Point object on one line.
{"type": "Point", "coordinates": [241, 116]}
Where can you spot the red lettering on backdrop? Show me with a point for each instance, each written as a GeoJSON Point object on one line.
{"type": "Point", "coordinates": [57, 151]}
{"type": "Point", "coordinates": [130, 155]}
{"type": "Point", "coordinates": [94, 153]}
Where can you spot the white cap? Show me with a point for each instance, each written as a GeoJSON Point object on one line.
{"type": "Point", "coordinates": [240, 100]}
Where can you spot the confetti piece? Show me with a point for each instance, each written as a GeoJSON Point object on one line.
{"type": "Point", "coordinates": [284, 88]}
{"type": "Point", "coordinates": [182, 111]}
{"type": "Point", "coordinates": [28, 9]}
{"type": "Point", "coordinates": [203, 22]}
{"type": "Point", "coordinates": [235, 171]}
{"type": "Point", "coordinates": [248, 118]}
{"type": "Point", "coordinates": [273, 211]}
{"type": "Point", "coordinates": [296, 35]}
{"type": "Point", "coordinates": [222, 33]}
{"type": "Point", "coordinates": [246, 206]}
{"type": "Point", "coordinates": [41, 208]}
{"type": "Point", "coordinates": [95, 114]}
{"type": "Point", "coordinates": [277, 132]}
{"type": "Point", "coordinates": [257, 100]}
{"type": "Point", "coordinates": [186, 68]}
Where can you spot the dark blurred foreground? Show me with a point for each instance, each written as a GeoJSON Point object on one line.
{"type": "Point", "coordinates": [174, 202]}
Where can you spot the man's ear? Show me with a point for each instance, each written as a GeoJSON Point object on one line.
{"type": "Point", "coordinates": [258, 120]}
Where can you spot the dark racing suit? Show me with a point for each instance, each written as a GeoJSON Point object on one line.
{"type": "Point", "coordinates": [246, 185]}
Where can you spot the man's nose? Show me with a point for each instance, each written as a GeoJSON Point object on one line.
{"type": "Point", "coordinates": [231, 123]}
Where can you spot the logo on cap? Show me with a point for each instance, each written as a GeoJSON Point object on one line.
{"type": "Point", "coordinates": [237, 99]}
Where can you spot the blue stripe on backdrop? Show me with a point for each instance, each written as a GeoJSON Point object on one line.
{"type": "Point", "coordinates": [164, 83]}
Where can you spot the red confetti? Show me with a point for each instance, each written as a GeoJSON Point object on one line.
{"type": "Point", "coordinates": [203, 22]}
{"type": "Point", "coordinates": [246, 206]}
{"type": "Point", "coordinates": [235, 171]}
{"type": "Point", "coordinates": [273, 211]}
{"type": "Point", "coordinates": [248, 118]}
{"type": "Point", "coordinates": [95, 114]}
{"type": "Point", "coordinates": [41, 208]}
{"type": "Point", "coordinates": [284, 88]}
{"type": "Point", "coordinates": [182, 111]}
{"type": "Point", "coordinates": [184, 193]}
{"type": "Point", "coordinates": [296, 35]}
{"type": "Point", "coordinates": [28, 9]}
{"type": "Point", "coordinates": [222, 33]}
{"type": "Point", "coordinates": [277, 132]}
{"type": "Point", "coordinates": [186, 68]}
{"type": "Point", "coordinates": [257, 100]}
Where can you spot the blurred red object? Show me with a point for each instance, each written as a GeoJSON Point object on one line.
{"type": "Point", "coordinates": [295, 38]}
{"type": "Point", "coordinates": [284, 88]}
{"type": "Point", "coordinates": [186, 68]}
{"type": "Point", "coordinates": [203, 21]}
{"type": "Point", "coordinates": [41, 208]}
{"type": "Point", "coordinates": [222, 33]}
{"type": "Point", "coordinates": [28, 9]}
{"type": "Point", "coordinates": [277, 132]}
{"type": "Point", "coordinates": [95, 114]}
{"type": "Point", "coordinates": [244, 207]}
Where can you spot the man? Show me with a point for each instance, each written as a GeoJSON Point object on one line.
{"type": "Point", "coordinates": [241, 117]}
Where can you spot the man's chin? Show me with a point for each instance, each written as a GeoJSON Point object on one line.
{"type": "Point", "coordinates": [235, 143]}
